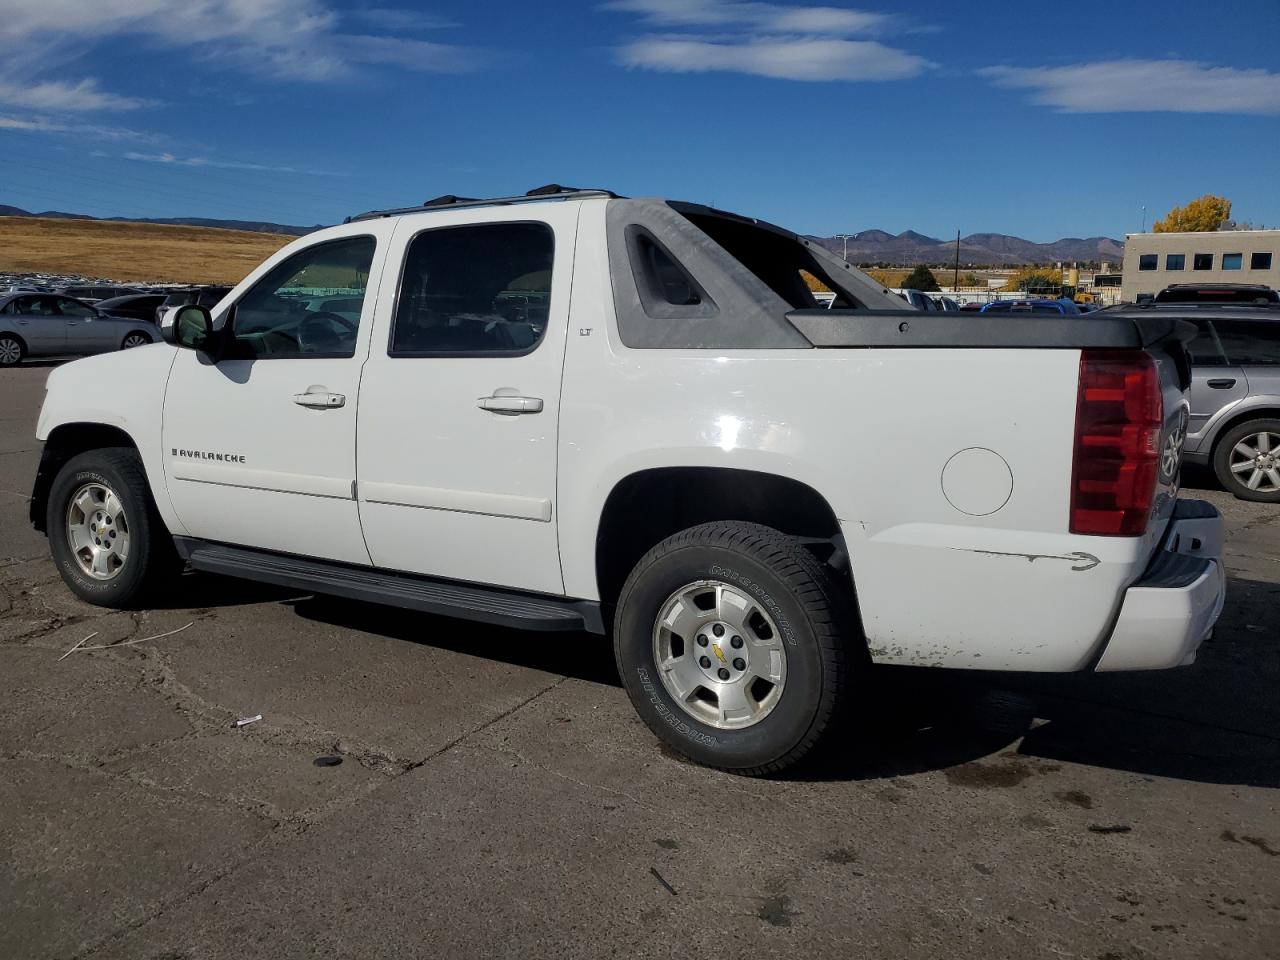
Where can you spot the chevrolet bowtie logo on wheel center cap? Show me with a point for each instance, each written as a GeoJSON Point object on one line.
{"type": "Point", "coordinates": [719, 653]}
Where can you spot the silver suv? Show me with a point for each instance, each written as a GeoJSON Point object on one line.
{"type": "Point", "coordinates": [1235, 396]}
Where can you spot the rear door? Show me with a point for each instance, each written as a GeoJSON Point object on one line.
{"type": "Point", "coordinates": [1217, 384]}
{"type": "Point", "coordinates": [86, 332]}
{"type": "Point", "coordinates": [460, 398]}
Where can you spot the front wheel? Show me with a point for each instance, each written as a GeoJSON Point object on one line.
{"type": "Point", "coordinates": [11, 351]}
{"type": "Point", "coordinates": [735, 646]}
{"type": "Point", "coordinates": [1247, 461]}
{"type": "Point", "coordinates": [107, 540]}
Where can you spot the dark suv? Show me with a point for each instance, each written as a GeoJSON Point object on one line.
{"type": "Point", "coordinates": [205, 296]}
{"type": "Point", "coordinates": [1235, 393]}
{"type": "Point", "coordinates": [1251, 293]}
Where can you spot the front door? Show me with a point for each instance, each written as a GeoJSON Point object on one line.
{"type": "Point", "coordinates": [85, 331]}
{"type": "Point", "coordinates": [39, 322]}
{"type": "Point", "coordinates": [460, 399]}
{"type": "Point", "coordinates": [259, 447]}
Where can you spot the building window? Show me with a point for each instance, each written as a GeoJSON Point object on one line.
{"type": "Point", "coordinates": [1148, 261]}
{"type": "Point", "coordinates": [1259, 261]}
{"type": "Point", "coordinates": [1175, 261]}
{"type": "Point", "coordinates": [1202, 261]}
{"type": "Point", "coordinates": [1232, 261]}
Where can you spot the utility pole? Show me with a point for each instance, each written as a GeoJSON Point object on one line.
{"type": "Point", "coordinates": [846, 237]}
{"type": "Point", "coordinates": [1144, 218]}
{"type": "Point", "coordinates": [955, 284]}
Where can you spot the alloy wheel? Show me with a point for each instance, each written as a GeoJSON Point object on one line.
{"type": "Point", "coordinates": [719, 655]}
{"type": "Point", "coordinates": [98, 531]}
{"type": "Point", "coordinates": [1255, 462]}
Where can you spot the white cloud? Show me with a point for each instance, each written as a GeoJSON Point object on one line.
{"type": "Point", "coordinates": [767, 17]}
{"type": "Point", "coordinates": [60, 96]}
{"type": "Point", "coordinates": [90, 131]}
{"type": "Point", "coordinates": [1130, 86]}
{"type": "Point", "coordinates": [764, 39]}
{"type": "Point", "coordinates": [804, 58]}
{"type": "Point", "coordinates": [288, 39]}
{"type": "Point", "coordinates": [172, 160]}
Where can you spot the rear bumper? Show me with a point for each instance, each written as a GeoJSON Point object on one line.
{"type": "Point", "coordinates": [1170, 611]}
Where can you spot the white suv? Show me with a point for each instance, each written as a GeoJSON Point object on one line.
{"type": "Point", "coordinates": [572, 411]}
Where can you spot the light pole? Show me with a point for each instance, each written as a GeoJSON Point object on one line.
{"type": "Point", "coordinates": [1144, 218]}
{"type": "Point", "coordinates": [846, 237]}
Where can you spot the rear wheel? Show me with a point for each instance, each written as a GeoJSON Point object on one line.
{"type": "Point", "coordinates": [135, 340]}
{"type": "Point", "coordinates": [11, 350]}
{"type": "Point", "coordinates": [107, 540]}
{"type": "Point", "coordinates": [731, 641]}
{"type": "Point", "coordinates": [1247, 460]}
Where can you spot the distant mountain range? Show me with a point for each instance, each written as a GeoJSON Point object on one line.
{"type": "Point", "coordinates": [976, 250]}
{"type": "Point", "coordinates": [869, 246]}
{"type": "Point", "coordinates": [255, 226]}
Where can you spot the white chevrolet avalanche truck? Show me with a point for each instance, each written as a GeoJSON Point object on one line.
{"type": "Point", "coordinates": [574, 411]}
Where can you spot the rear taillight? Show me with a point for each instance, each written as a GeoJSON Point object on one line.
{"type": "Point", "coordinates": [1119, 415]}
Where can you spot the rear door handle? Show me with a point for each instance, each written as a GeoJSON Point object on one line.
{"type": "Point", "coordinates": [1226, 383]}
{"type": "Point", "coordinates": [510, 405]}
{"type": "Point", "coordinates": [319, 398]}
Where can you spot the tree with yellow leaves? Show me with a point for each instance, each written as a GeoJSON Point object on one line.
{"type": "Point", "coordinates": [1205, 214]}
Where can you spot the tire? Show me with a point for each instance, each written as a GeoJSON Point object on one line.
{"type": "Point", "coordinates": [12, 350]}
{"type": "Point", "coordinates": [1262, 469]}
{"type": "Point", "coordinates": [149, 558]}
{"type": "Point", "coordinates": [811, 621]}
{"type": "Point", "coordinates": [134, 339]}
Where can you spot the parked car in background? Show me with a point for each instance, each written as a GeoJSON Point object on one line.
{"type": "Point", "coordinates": [92, 293]}
{"type": "Point", "coordinates": [138, 306]}
{"type": "Point", "coordinates": [1235, 396]}
{"type": "Point", "coordinates": [919, 300]}
{"type": "Point", "coordinates": [971, 306]}
{"type": "Point", "coordinates": [1218, 293]}
{"type": "Point", "coordinates": [203, 296]}
{"type": "Point", "coordinates": [1032, 306]}
{"type": "Point", "coordinates": [51, 325]}
{"type": "Point", "coordinates": [947, 304]}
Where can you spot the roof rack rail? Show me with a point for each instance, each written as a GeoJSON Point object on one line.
{"type": "Point", "coordinates": [551, 191]}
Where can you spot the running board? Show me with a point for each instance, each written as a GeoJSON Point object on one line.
{"type": "Point", "coordinates": [448, 598]}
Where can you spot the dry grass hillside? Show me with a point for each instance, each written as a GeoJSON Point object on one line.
{"type": "Point", "coordinates": [132, 251]}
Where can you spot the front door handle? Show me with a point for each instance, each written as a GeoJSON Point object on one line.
{"type": "Point", "coordinates": [1225, 383]}
{"type": "Point", "coordinates": [510, 406]}
{"type": "Point", "coordinates": [319, 398]}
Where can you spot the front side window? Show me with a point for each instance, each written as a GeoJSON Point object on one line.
{"type": "Point", "coordinates": [1175, 261]}
{"type": "Point", "coordinates": [1148, 261]}
{"type": "Point", "coordinates": [1259, 261]}
{"type": "Point", "coordinates": [1250, 342]}
{"type": "Point", "coordinates": [477, 290]}
{"type": "Point", "coordinates": [1202, 261]}
{"type": "Point", "coordinates": [1232, 261]}
{"type": "Point", "coordinates": [291, 311]}
{"type": "Point", "coordinates": [70, 308]}
{"type": "Point", "coordinates": [1206, 348]}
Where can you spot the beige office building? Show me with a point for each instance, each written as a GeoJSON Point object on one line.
{"type": "Point", "coordinates": [1153, 261]}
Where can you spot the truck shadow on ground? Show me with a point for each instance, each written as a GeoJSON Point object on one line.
{"type": "Point", "coordinates": [1217, 721]}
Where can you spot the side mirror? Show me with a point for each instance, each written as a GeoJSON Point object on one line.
{"type": "Point", "coordinates": [189, 326]}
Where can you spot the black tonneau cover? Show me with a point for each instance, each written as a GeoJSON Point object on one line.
{"type": "Point", "coordinates": [914, 328]}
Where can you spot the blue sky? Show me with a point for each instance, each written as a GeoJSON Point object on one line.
{"type": "Point", "coordinates": [1041, 120]}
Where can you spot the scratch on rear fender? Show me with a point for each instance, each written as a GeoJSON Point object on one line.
{"type": "Point", "coordinates": [1080, 560]}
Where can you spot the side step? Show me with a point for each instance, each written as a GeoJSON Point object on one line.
{"type": "Point", "coordinates": [448, 598]}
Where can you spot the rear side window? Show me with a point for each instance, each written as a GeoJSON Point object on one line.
{"type": "Point", "coordinates": [1250, 342]}
{"type": "Point", "coordinates": [478, 290]}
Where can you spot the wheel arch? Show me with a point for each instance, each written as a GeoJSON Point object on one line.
{"type": "Point", "coordinates": [1268, 412]}
{"type": "Point", "coordinates": [65, 441]}
{"type": "Point", "coordinates": [649, 505]}
{"type": "Point", "coordinates": [26, 350]}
